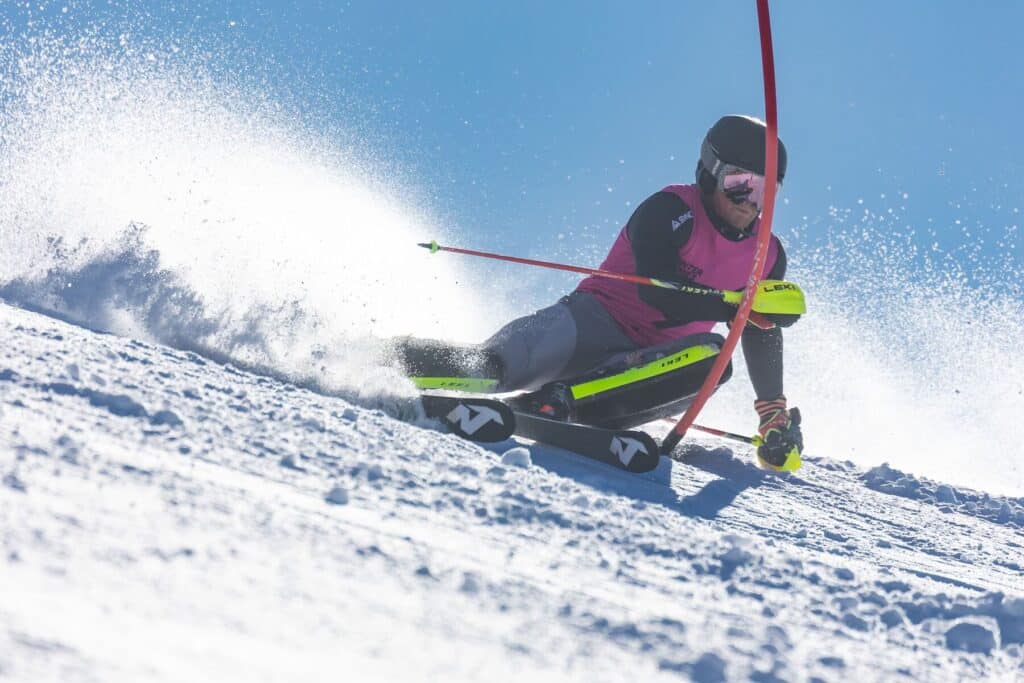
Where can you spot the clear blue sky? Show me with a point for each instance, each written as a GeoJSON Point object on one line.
{"type": "Point", "coordinates": [532, 119]}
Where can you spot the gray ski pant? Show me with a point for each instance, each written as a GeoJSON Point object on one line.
{"type": "Point", "coordinates": [572, 338]}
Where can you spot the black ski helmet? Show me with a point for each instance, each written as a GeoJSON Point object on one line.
{"type": "Point", "coordinates": [736, 140]}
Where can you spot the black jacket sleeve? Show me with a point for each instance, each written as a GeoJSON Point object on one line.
{"type": "Point", "coordinates": [763, 348]}
{"type": "Point", "coordinates": [656, 230]}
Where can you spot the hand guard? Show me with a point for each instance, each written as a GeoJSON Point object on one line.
{"type": "Point", "coordinates": [781, 442]}
{"type": "Point", "coordinates": [775, 303]}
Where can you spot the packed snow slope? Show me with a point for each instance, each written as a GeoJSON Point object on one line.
{"type": "Point", "coordinates": [167, 517]}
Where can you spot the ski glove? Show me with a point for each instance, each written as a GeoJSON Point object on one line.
{"type": "Point", "coordinates": [781, 442]}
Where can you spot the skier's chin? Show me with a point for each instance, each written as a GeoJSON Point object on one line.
{"type": "Point", "coordinates": [740, 219]}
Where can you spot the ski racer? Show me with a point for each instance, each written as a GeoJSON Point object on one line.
{"type": "Point", "coordinates": [617, 353]}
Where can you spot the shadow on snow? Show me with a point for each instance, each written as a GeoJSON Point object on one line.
{"type": "Point", "coordinates": [733, 475]}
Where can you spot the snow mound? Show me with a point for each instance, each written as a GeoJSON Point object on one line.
{"type": "Point", "coordinates": [516, 457]}
{"type": "Point", "coordinates": [998, 509]}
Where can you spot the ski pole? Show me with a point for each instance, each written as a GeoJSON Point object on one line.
{"type": "Point", "coordinates": [728, 296]}
{"type": "Point", "coordinates": [779, 296]}
{"type": "Point", "coordinates": [752, 440]}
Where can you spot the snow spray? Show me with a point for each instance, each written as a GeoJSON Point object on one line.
{"type": "Point", "coordinates": [144, 192]}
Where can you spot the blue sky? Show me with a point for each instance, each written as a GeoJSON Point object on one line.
{"type": "Point", "coordinates": [531, 120]}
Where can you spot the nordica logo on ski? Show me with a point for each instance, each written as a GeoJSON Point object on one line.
{"type": "Point", "coordinates": [471, 419]}
{"type": "Point", "coordinates": [625, 449]}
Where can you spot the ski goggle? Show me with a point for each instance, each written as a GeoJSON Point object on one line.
{"type": "Point", "coordinates": [740, 185]}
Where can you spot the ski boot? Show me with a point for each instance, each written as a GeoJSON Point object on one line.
{"type": "Point", "coordinates": [439, 365]}
{"type": "Point", "coordinates": [553, 401]}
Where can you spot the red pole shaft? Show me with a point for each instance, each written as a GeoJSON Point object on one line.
{"type": "Point", "coordinates": [764, 234]}
{"type": "Point", "coordinates": [723, 433]}
{"type": "Point", "coordinates": [753, 440]}
{"type": "Point", "coordinates": [638, 279]}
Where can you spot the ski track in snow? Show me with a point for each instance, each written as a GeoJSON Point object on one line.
{"type": "Point", "coordinates": [166, 517]}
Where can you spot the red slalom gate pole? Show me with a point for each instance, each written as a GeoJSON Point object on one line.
{"type": "Point", "coordinates": [764, 234]}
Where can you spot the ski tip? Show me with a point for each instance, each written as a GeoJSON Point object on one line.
{"type": "Point", "coordinates": [635, 452]}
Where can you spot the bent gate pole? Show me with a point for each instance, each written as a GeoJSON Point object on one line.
{"type": "Point", "coordinates": [764, 234]}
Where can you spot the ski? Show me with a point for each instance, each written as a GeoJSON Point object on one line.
{"type": "Point", "coordinates": [471, 417]}
{"type": "Point", "coordinates": [630, 450]}
{"type": "Point", "coordinates": [489, 420]}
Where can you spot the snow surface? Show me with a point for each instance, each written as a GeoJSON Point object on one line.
{"type": "Point", "coordinates": [166, 517]}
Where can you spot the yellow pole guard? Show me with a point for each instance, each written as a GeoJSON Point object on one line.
{"type": "Point", "coordinates": [773, 296]}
